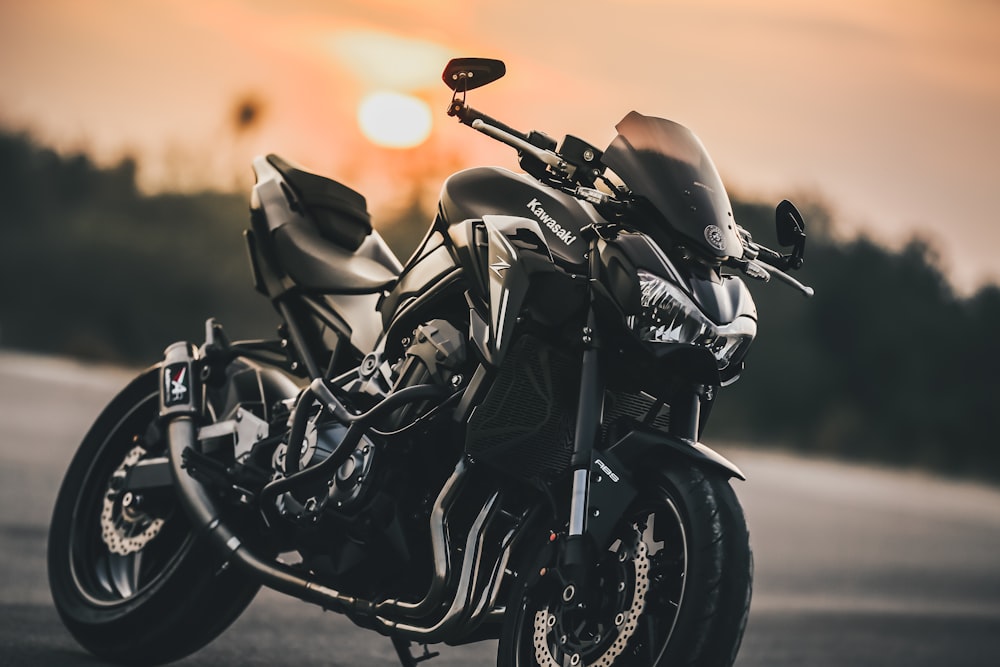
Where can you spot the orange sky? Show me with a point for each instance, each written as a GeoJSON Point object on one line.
{"type": "Point", "coordinates": [889, 108]}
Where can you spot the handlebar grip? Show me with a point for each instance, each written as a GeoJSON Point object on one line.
{"type": "Point", "coordinates": [467, 115]}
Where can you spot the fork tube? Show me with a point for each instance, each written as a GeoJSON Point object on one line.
{"type": "Point", "coordinates": [589, 412]}
{"type": "Point", "coordinates": [685, 414]}
{"type": "Point", "coordinates": [590, 407]}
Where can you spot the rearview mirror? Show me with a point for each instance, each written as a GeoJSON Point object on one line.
{"type": "Point", "coordinates": [790, 227]}
{"type": "Point", "coordinates": [462, 74]}
{"type": "Point", "coordinates": [791, 232]}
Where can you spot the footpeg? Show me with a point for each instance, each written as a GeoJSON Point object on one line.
{"type": "Point", "coordinates": [406, 658]}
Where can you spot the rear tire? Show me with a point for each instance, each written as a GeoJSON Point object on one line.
{"type": "Point", "coordinates": [675, 586]}
{"type": "Point", "coordinates": [134, 586]}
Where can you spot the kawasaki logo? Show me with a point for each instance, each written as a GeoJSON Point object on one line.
{"type": "Point", "coordinates": [561, 232]}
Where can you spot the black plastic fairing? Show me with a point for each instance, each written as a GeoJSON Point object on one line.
{"type": "Point", "coordinates": [721, 298]}
{"type": "Point", "coordinates": [666, 164]}
{"type": "Point", "coordinates": [470, 245]}
{"type": "Point", "coordinates": [642, 444]}
{"type": "Point", "coordinates": [474, 193]}
{"type": "Point", "coordinates": [291, 239]}
{"type": "Point", "coordinates": [419, 276]}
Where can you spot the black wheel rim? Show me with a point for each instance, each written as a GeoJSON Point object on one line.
{"type": "Point", "coordinates": [630, 621]}
{"type": "Point", "coordinates": [102, 576]}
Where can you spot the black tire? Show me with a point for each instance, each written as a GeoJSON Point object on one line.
{"type": "Point", "coordinates": [674, 590]}
{"type": "Point", "coordinates": [168, 594]}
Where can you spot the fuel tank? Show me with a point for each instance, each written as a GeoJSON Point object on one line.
{"type": "Point", "coordinates": [473, 193]}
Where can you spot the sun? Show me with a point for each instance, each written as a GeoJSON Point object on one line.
{"type": "Point", "coordinates": [394, 120]}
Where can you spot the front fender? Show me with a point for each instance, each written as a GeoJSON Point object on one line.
{"type": "Point", "coordinates": [615, 468]}
{"type": "Point", "coordinates": [641, 442]}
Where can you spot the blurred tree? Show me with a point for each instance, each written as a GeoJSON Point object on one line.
{"type": "Point", "coordinates": [247, 113]}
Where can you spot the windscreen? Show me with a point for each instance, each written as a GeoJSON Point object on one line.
{"type": "Point", "coordinates": [666, 163]}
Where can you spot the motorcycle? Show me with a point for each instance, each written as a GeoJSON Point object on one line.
{"type": "Point", "coordinates": [499, 439]}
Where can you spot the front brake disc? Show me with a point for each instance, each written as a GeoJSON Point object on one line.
{"type": "Point", "coordinates": [123, 534]}
{"type": "Point", "coordinates": [625, 621]}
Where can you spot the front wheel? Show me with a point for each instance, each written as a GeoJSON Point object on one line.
{"type": "Point", "coordinates": [130, 580]}
{"type": "Point", "coordinates": [672, 589]}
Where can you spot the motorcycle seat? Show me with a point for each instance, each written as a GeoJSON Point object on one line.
{"type": "Point", "coordinates": [317, 265]}
{"type": "Point", "coordinates": [340, 213]}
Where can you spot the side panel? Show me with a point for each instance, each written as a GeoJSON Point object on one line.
{"type": "Point", "coordinates": [470, 246]}
{"type": "Point", "coordinates": [517, 249]}
{"type": "Point", "coordinates": [475, 193]}
{"type": "Point", "coordinates": [431, 286]}
{"type": "Point", "coordinates": [360, 313]}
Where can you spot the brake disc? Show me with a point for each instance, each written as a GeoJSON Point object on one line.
{"type": "Point", "coordinates": [625, 621]}
{"type": "Point", "coordinates": [125, 534]}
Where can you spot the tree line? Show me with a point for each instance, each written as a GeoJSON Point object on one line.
{"type": "Point", "coordinates": [885, 363]}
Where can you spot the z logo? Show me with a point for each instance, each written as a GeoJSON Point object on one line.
{"type": "Point", "coordinates": [499, 266]}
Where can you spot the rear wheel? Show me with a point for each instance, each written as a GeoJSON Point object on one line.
{"type": "Point", "coordinates": [129, 579]}
{"type": "Point", "coordinates": [673, 588]}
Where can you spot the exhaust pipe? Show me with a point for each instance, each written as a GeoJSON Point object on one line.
{"type": "Point", "coordinates": [181, 400]}
{"type": "Point", "coordinates": [204, 513]}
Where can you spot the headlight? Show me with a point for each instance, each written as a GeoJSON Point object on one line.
{"type": "Point", "coordinates": [669, 315]}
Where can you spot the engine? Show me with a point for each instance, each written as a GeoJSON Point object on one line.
{"type": "Point", "coordinates": [434, 355]}
{"type": "Point", "coordinates": [347, 488]}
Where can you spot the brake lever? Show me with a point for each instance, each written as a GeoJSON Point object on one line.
{"type": "Point", "coordinates": [783, 277]}
{"type": "Point", "coordinates": [763, 271]}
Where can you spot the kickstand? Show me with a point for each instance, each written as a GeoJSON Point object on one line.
{"type": "Point", "coordinates": [407, 659]}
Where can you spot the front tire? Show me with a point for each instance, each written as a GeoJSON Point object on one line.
{"type": "Point", "coordinates": [674, 586]}
{"type": "Point", "coordinates": [131, 582]}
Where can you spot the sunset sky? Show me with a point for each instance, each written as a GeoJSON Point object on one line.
{"type": "Point", "coordinates": [890, 109]}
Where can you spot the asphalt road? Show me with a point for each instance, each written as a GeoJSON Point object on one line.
{"type": "Point", "coordinates": [855, 566]}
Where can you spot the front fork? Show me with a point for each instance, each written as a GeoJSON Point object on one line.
{"type": "Point", "coordinates": [577, 554]}
{"type": "Point", "coordinates": [589, 414]}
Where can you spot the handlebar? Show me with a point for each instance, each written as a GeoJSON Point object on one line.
{"type": "Point", "coordinates": [520, 141]}
{"type": "Point", "coordinates": [759, 261]}
{"type": "Point", "coordinates": [467, 116]}
{"type": "Point", "coordinates": [549, 158]}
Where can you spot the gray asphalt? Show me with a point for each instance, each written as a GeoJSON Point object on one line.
{"type": "Point", "coordinates": [854, 566]}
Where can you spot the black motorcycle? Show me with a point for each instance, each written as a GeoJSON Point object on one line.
{"type": "Point", "coordinates": [499, 439]}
